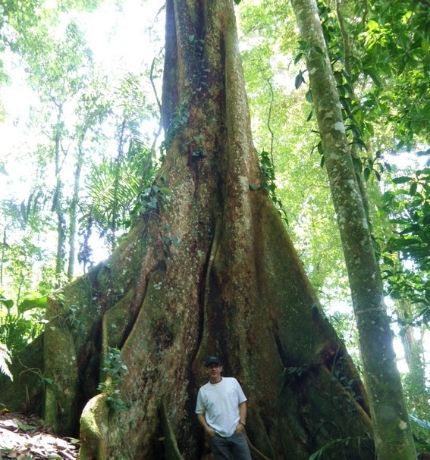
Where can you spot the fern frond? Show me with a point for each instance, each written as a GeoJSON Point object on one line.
{"type": "Point", "coordinates": [5, 361]}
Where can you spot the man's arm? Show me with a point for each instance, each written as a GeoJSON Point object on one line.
{"type": "Point", "coordinates": [242, 417]}
{"type": "Point", "coordinates": [210, 431]}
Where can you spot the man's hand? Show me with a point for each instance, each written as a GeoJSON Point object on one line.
{"type": "Point", "coordinates": [240, 428]}
{"type": "Point", "coordinates": [209, 431]}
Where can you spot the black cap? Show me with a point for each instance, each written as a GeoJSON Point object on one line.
{"type": "Point", "coordinates": [212, 360]}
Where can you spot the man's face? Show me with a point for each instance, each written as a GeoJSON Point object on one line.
{"type": "Point", "coordinates": [214, 371]}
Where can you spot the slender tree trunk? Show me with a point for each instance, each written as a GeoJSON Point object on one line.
{"type": "Point", "coordinates": [392, 432]}
{"type": "Point", "coordinates": [74, 209]}
{"type": "Point", "coordinates": [231, 285]}
{"type": "Point", "coordinates": [414, 355]}
{"type": "Point", "coordinates": [57, 205]}
{"type": "Point", "coordinates": [117, 172]}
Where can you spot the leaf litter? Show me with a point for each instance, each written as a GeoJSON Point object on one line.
{"type": "Point", "coordinates": [27, 438]}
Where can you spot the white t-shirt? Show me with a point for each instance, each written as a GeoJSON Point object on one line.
{"type": "Point", "coordinates": [219, 402]}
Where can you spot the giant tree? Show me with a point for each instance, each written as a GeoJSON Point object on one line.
{"type": "Point", "coordinates": [208, 268]}
{"type": "Point", "coordinates": [393, 437]}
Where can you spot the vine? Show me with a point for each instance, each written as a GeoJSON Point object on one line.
{"type": "Point", "coordinates": [268, 183]}
{"type": "Point", "coordinates": [114, 370]}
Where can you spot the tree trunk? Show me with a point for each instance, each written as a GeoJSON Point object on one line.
{"type": "Point", "coordinates": [74, 209]}
{"type": "Point", "coordinates": [212, 270]}
{"type": "Point", "coordinates": [355, 150]}
{"type": "Point", "coordinates": [414, 356]}
{"type": "Point", "coordinates": [57, 205]}
{"type": "Point", "coordinates": [392, 432]}
{"type": "Point", "coordinates": [117, 171]}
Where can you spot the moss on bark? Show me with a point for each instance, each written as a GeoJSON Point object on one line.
{"type": "Point", "coordinates": [94, 429]}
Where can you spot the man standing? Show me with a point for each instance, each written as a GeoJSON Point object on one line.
{"type": "Point", "coordinates": [221, 410]}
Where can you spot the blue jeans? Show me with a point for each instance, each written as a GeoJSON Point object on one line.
{"type": "Point", "coordinates": [234, 447]}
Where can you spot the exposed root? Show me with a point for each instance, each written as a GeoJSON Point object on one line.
{"type": "Point", "coordinates": [257, 454]}
{"type": "Point", "coordinates": [93, 432]}
{"type": "Point", "coordinates": [171, 451]}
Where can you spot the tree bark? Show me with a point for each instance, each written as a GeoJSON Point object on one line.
{"type": "Point", "coordinates": [57, 205]}
{"type": "Point", "coordinates": [74, 208]}
{"type": "Point", "coordinates": [392, 432]}
{"type": "Point", "coordinates": [414, 356]}
{"type": "Point", "coordinates": [212, 270]}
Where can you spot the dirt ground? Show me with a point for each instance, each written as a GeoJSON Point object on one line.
{"type": "Point", "coordinates": [25, 438]}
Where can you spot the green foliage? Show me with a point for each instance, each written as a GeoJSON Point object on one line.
{"type": "Point", "coordinates": [421, 431]}
{"type": "Point", "coordinates": [5, 360]}
{"type": "Point", "coordinates": [357, 128]}
{"type": "Point", "coordinates": [72, 316]}
{"type": "Point", "coordinates": [268, 182]}
{"type": "Point", "coordinates": [395, 40]}
{"type": "Point", "coordinates": [31, 302]}
{"type": "Point", "coordinates": [17, 330]}
{"type": "Point", "coordinates": [20, 253]}
{"type": "Point", "coordinates": [119, 190]}
{"type": "Point", "coordinates": [345, 326]}
{"type": "Point", "coordinates": [8, 303]}
{"type": "Point", "coordinates": [407, 252]}
{"type": "Point", "coordinates": [58, 67]}
{"type": "Point", "coordinates": [114, 371]}
{"type": "Point", "coordinates": [179, 120]}
{"type": "Point", "coordinates": [19, 15]}
{"type": "Point", "coordinates": [296, 371]}
{"type": "Point", "coordinates": [410, 208]}
{"type": "Point", "coordinates": [270, 41]}
{"type": "Point", "coordinates": [152, 198]}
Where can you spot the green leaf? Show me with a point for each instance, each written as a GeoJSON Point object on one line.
{"type": "Point", "coordinates": [366, 173]}
{"type": "Point", "coordinates": [298, 57]}
{"type": "Point", "coordinates": [8, 303]}
{"type": "Point", "coordinates": [25, 426]}
{"type": "Point", "coordinates": [319, 50]}
{"type": "Point", "coordinates": [5, 361]}
{"type": "Point", "coordinates": [299, 80]}
{"type": "Point", "coordinates": [402, 179]}
{"type": "Point", "coordinates": [29, 303]}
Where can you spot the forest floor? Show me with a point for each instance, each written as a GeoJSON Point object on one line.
{"type": "Point", "coordinates": [26, 438]}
